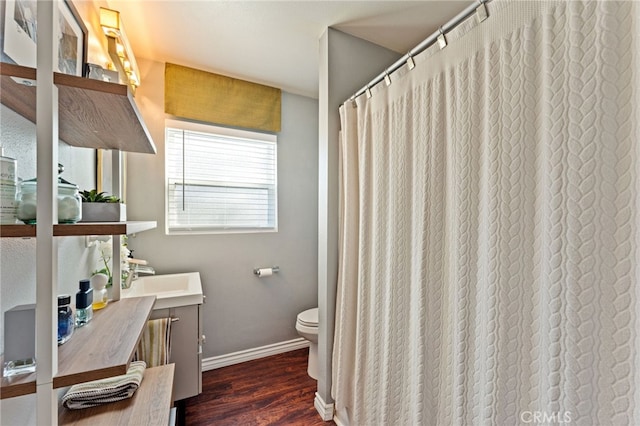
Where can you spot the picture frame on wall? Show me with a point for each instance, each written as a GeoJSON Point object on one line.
{"type": "Point", "coordinates": [19, 38]}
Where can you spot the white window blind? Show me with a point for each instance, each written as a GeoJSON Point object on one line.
{"type": "Point", "coordinates": [219, 179]}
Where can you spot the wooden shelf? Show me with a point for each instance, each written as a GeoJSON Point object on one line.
{"type": "Point", "coordinates": [22, 384]}
{"type": "Point", "coordinates": [149, 405]}
{"type": "Point", "coordinates": [103, 228]}
{"type": "Point", "coordinates": [102, 348]}
{"type": "Point", "coordinates": [80, 229]}
{"type": "Point", "coordinates": [92, 113]}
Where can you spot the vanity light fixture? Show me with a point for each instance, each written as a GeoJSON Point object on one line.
{"type": "Point", "coordinates": [119, 48]}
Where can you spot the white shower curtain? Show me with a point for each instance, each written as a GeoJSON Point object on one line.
{"type": "Point", "coordinates": [489, 227]}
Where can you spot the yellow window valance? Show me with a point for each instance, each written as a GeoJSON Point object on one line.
{"type": "Point", "coordinates": [214, 98]}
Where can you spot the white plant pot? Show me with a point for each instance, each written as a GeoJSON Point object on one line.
{"type": "Point", "coordinates": [104, 212]}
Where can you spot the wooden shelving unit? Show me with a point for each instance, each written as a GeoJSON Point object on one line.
{"type": "Point", "coordinates": [98, 350]}
{"type": "Point", "coordinates": [92, 113]}
{"type": "Point", "coordinates": [88, 114]}
{"type": "Point", "coordinates": [79, 229]}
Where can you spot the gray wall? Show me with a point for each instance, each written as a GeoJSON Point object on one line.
{"type": "Point", "coordinates": [347, 63]}
{"type": "Point", "coordinates": [242, 311]}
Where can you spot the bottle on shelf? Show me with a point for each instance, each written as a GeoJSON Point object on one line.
{"type": "Point", "coordinates": [84, 301]}
{"type": "Point", "coordinates": [66, 321]}
{"type": "Point", "coordinates": [100, 296]}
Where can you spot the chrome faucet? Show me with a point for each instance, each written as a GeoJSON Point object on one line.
{"type": "Point", "coordinates": [136, 267]}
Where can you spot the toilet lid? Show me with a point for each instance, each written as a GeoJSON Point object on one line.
{"type": "Point", "coordinates": [309, 317]}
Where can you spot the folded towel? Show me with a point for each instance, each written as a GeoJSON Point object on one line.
{"type": "Point", "coordinates": [154, 347]}
{"type": "Point", "coordinates": [103, 391]}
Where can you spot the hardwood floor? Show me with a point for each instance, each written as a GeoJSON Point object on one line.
{"type": "Point", "coordinates": [270, 391]}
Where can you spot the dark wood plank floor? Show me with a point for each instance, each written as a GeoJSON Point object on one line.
{"type": "Point", "coordinates": [270, 391]}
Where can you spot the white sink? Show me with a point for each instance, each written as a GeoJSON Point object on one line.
{"type": "Point", "coordinates": [171, 290]}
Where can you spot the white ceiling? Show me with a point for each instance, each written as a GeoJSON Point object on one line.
{"type": "Point", "coordinates": [271, 42]}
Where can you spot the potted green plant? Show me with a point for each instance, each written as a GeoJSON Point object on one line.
{"type": "Point", "coordinates": [101, 207]}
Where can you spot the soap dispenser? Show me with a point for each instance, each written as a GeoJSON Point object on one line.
{"type": "Point", "coordinates": [84, 302]}
{"type": "Point", "coordinates": [100, 295]}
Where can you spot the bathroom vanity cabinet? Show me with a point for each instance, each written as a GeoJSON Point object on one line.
{"type": "Point", "coordinates": [89, 114]}
{"type": "Point", "coordinates": [186, 348]}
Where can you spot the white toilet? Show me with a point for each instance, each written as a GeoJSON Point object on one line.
{"type": "Point", "coordinates": [307, 327]}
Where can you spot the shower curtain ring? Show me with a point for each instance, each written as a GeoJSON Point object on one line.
{"type": "Point", "coordinates": [410, 62]}
{"type": "Point", "coordinates": [442, 41]}
{"type": "Point", "coordinates": [481, 11]}
{"type": "Point", "coordinates": [387, 78]}
{"type": "Point", "coordinates": [368, 91]}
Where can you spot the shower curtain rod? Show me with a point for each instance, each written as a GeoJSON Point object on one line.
{"type": "Point", "coordinates": [477, 7]}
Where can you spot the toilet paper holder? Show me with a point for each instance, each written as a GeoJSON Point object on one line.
{"type": "Point", "coordinates": [260, 271]}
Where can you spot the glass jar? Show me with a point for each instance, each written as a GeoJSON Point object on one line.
{"type": "Point", "coordinates": [69, 202]}
{"type": "Point", "coordinates": [66, 321]}
{"type": "Point", "coordinates": [27, 204]}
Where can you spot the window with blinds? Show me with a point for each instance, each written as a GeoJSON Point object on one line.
{"type": "Point", "coordinates": [219, 179]}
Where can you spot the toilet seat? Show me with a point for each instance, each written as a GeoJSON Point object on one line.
{"type": "Point", "coordinates": [308, 318]}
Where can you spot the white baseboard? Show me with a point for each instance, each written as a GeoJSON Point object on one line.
{"type": "Point", "coordinates": [325, 410]}
{"type": "Point", "coordinates": [339, 421]}
{"type": "Point", "coordinates": [253, 353]}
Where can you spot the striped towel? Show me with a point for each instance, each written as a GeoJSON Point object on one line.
{"type": "Point", "coordinates": [103, 391]}
{"type": "Point", "coordinates": [154, 347]}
